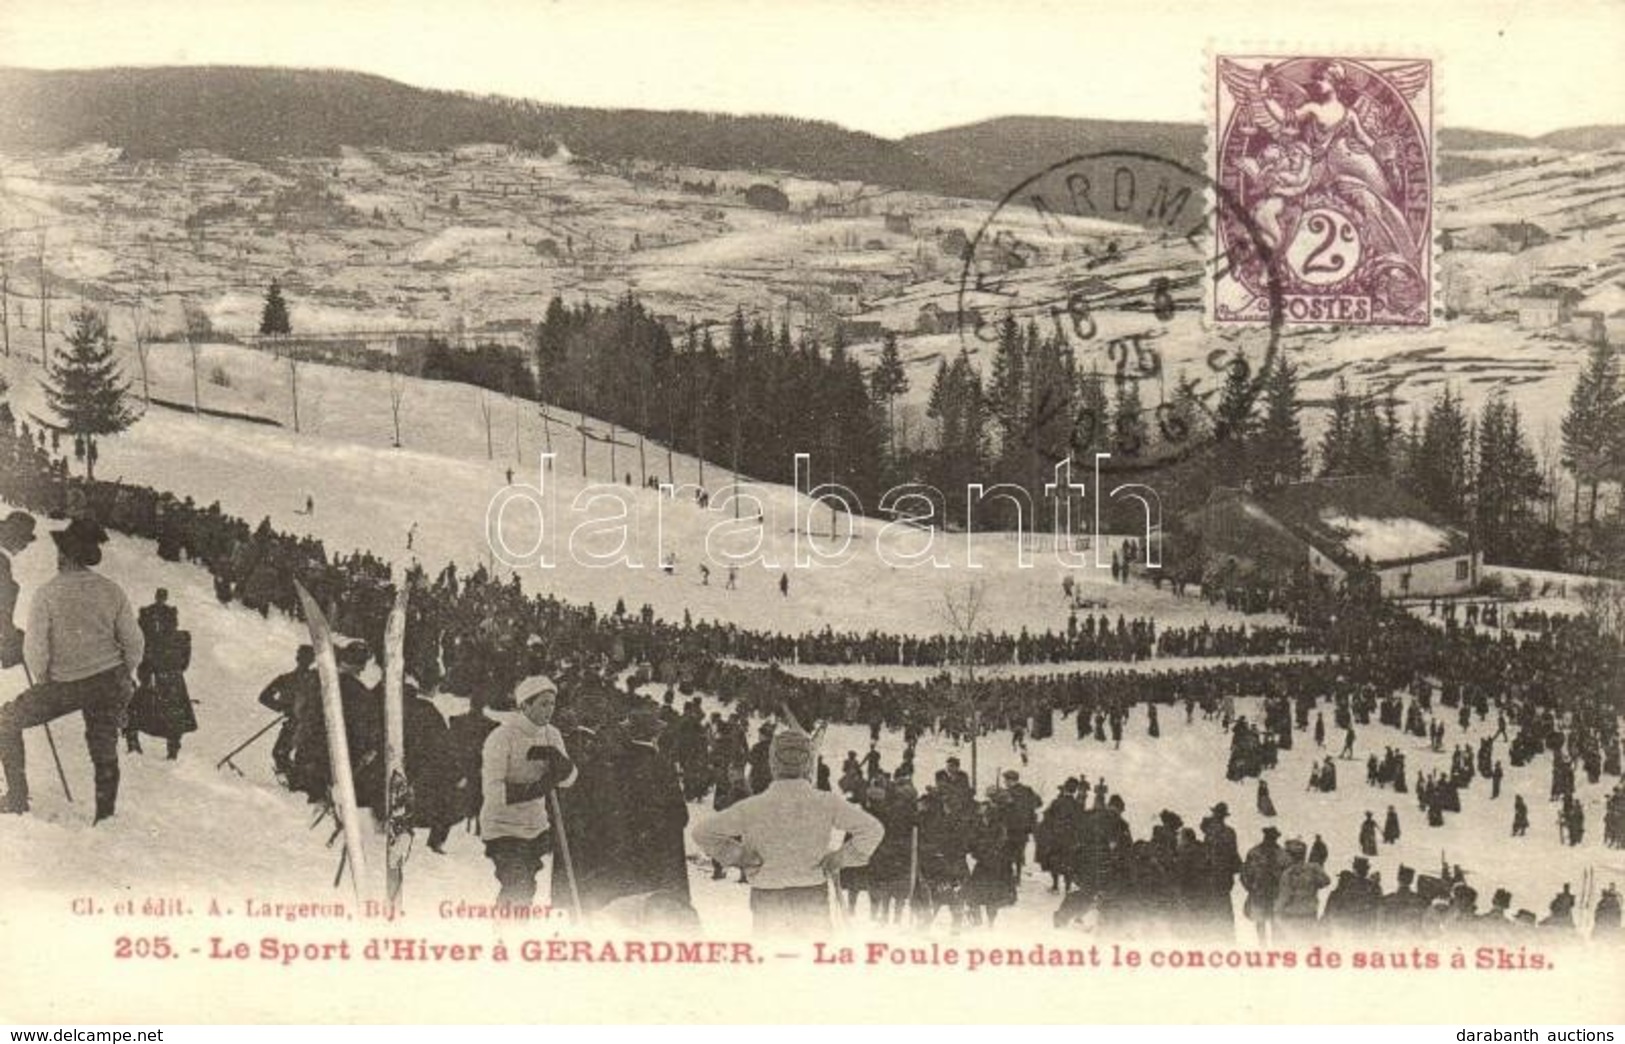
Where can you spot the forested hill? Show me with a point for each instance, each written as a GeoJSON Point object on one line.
{"type": "Point", "coordinates": [258, 114]}
{"type": "Point", "coordinates": [264, 113]}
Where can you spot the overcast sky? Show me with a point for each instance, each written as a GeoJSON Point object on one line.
{"type": "Point", "coordinates": [889, 68]}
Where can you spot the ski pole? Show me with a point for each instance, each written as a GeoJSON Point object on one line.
{"type": "Point", "coordinates": [557, 810]}
{"type": "Point", "coordinates": [913, 862]}
{"type": "Point", "coordinates": [280, 718]}
{"type": "Point", "coordinates": [50, 741]}
{"type": "Point", "coordinates": [836, 900]}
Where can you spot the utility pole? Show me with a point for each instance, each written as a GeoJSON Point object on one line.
{"type": "Point", "coordinates": [197, 400]}
{"type": "Point", "coordinates": [671, 439]}
{"type": "Point", "coordinates": [518, 447]}
{"type": "Point", "coordinates": [643, 411]}
{"type": "Point", "coordinates": [736, 466]}
{"type": "Point", "coordinates": [699, 438]}
{"type": "Point", "coordinates": [5, 279]}
{"type": "Point", "coordinates": [293, 386]}
{"type": "Point", "coordinates": [44, 306]}
{"type": "Point", "coordinates": [485, 409]}
{"type": "Point", "coordinates": [140, 350]}
{"type": "Point", "coordinates": [582, 427]}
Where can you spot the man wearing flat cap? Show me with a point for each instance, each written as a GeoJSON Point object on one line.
{"type": "Point", "coordinates": [523, 760]}
{"type": "Point", "coordinates": [82, 648]}
{"type": "Point", "coordinates": [781, 837]}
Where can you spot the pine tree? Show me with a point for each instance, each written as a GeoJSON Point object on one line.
{"type": "Point", "coordinates": [85, 387]}
{"type": "Point", "coordinates": [274, 316]}
{"type": "Point", "coordinates": [1007, 386]}
{"type": "Point", "coordinates": [937, 405]}
{"type": "Point", "coordinates": [1507, 481]}
{"type": "Point", "coordinates": [1129, 437]}
{"type": "Point", "coordinates": [1367, 452]}
{"type": "Point", "coordinates": [962, 448]}
{"type": "Point", "coordinates": [1052, 385]}
{"type": "Point", "coordinates": [1234, 423]}
{"type": "Point", "coordinates": [887, 382]}
{"type": "Point", "coordinates": [1442, 479]}
{"type": "Point", "coordinates": [1281, 451]}
{"type": "Point", "coordinates": [1407, 451]}
{"type": "Point", "coordinates": [1593, 444]}
{"type": "Point", "coordinates": [1336, 443]}
{"type": "Point", "coordinates": [1186, 420]}
{"type": "Point", "coordinates": [1091, 424]}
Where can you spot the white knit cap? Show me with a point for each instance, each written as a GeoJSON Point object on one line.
{"type": "Point", "coordinates": [532, 687]}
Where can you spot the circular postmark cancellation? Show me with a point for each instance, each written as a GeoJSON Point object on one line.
{"type": "Point", "coordinates": [1100, 265]}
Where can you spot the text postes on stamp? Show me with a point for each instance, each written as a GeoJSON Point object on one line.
{"type": "Point", "coordinates": [1332, 159]}
{"type": "Point", "coordinates": [1099, 264]}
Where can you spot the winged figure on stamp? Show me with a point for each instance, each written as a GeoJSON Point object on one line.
{"type": "Point", "coordinates": [1317, 135]}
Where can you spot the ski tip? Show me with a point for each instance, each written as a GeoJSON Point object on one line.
{"type": "Point", "coordinates": [315, 619]}
{"type": "Point", "coordinates": [306, 601]}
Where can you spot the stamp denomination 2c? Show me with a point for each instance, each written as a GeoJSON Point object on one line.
{"type": "Point", "coordinates": [1332, 159]}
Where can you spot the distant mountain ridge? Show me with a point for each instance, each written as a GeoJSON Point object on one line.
{"type": "Point", "coordinates": [258, 114]}
{"type": "Point", "coordinates": [994, 156]}
{"type": "Point", "coordinates": [264, 113]}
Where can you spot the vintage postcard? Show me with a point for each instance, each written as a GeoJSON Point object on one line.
{"type": "Point", "coordinates": [832, 512]}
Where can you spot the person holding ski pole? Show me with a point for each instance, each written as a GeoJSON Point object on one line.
{"type": "Point", "coordinates": [297, 697]}
{"type": "Point", "coordinates": [82, 648]}
{"type": "Point", "coordinates": [523, 759]}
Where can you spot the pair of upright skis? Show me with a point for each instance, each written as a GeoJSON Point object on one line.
{"type": "Point", "coordinates": [397, 792]}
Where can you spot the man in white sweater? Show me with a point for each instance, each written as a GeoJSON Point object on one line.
{"type": "Point", "coordinates": [82, 648]}
{"type": "Point", "coordinates": [524, 758]}
{"type": "Point", "coordinates": [784, 839]}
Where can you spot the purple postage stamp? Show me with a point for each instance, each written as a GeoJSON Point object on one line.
{"type": "Point", "coordinates": [1332, 159]}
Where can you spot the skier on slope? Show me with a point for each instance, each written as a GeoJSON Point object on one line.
{"type": "Point", "coordinates": [82, 649]}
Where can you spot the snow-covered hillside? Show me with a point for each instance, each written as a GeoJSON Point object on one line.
{"type": "Point", "coordinates": [369, 494]}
